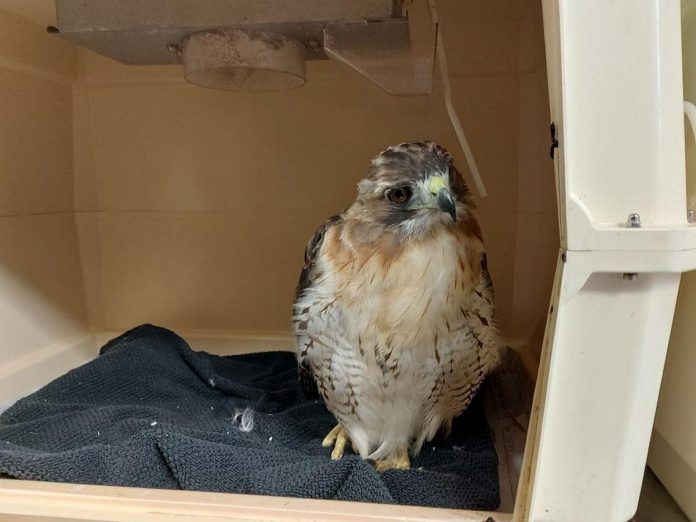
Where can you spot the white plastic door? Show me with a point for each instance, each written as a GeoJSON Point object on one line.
{"type": "Point", "coordinates": [615, 86]}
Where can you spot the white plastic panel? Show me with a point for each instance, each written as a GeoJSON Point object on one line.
{"type": "Point", "coordinates": [672, 454]}
{"type": "Point", "coordinates": [606, 362]}
{"type": "Point", "coordinates": [619, 118]}
{"type": "Point", "coordinates": [616, 99]}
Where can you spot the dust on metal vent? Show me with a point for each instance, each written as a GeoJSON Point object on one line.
{"type": "Point", "coordinates": [261, 46]}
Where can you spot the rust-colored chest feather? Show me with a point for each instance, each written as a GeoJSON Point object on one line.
{"type": "Point", "coordinates": [398, 291]}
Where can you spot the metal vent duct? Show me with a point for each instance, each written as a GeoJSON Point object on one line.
{"type": "Point", "coordinates": [259, 44]}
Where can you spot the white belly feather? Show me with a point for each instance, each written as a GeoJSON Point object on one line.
{"type": "Point", "coordinates": [392, 348]}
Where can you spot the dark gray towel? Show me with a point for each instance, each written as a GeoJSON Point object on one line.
{"type": "Point", "coordinates": [150, 412]}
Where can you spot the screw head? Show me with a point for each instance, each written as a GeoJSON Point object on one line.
{"type": "Point", "coordinates": [630, 276]}
{"type": "Point", "coordinates": [174, 49]}
{"type": "Point", "coordinates": [691, 215]}
{"type": "Point", "coordinates": [633, 221]}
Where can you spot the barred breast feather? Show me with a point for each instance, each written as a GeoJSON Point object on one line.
{"type": "Point", "coordinates": [395, 336]}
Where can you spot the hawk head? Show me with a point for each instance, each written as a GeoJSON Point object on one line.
{"type": "Point", "coordinates": [412, 189]}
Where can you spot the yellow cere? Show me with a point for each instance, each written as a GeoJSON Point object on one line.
{"type": "Point", "coordinates": [436, 184]}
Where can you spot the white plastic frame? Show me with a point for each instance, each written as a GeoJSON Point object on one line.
{"type": "Point", "coordinates": [615, 86]}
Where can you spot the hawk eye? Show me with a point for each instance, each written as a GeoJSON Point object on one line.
{"type": "Point", "coordinates": [399, 194]}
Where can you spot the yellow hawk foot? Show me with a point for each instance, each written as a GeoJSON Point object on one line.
{"type": "Point", "coordinates": [337, 437]}
{"type": "Point", "coordinates": [398, 460]}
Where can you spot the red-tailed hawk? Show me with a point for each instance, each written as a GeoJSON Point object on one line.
{"type": "Point", "coordinates": [394, 308]}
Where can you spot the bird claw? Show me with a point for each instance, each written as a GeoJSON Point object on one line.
{"type": "Point", "coordinates": [337, 438]}
{"type": "Point", "coordinates": [398, 461]}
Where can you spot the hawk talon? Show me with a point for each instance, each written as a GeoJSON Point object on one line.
{"type": "Point", "coordinates": [337, 438]}
{"type": "Point", "coordinates": [398, 461]}
{"type": "Point", "coordinates": [331, 437]}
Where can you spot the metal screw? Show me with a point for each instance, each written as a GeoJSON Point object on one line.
{"type": "Point", "coordinates": [174, 49]}
{"type": "Point", "coordinates": [691, 215]}
{"type": "Point", "coordinates": [315, 45]}
{"type": "Point", "coordinates": [633, 221]}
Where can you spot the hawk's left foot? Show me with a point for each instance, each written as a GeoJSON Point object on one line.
{"type": "Point", "coordinates": [398, 460]}
{"type": "Point", "coordinates": [337, 438]}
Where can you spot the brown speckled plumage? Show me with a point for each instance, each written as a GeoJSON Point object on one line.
{"type": "Point", "coordinates": [394, 307]}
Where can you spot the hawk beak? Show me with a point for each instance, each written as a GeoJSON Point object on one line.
{"type": "Point", "coordinates": [442, 195]}
{"type": "Point", "coordinates": [446, 203]}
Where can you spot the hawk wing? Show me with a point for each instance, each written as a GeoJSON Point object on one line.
{"type": "Point", "coordinates": [485, 302]}
{"type": "Point", "coordinates": [307, 279]}
{"type": "Point", "coordinates": [479, 328]}
{"type": "Point", "coordinates": [480, 320]}
{"type": "Point", "coordinates": [472, 353]}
